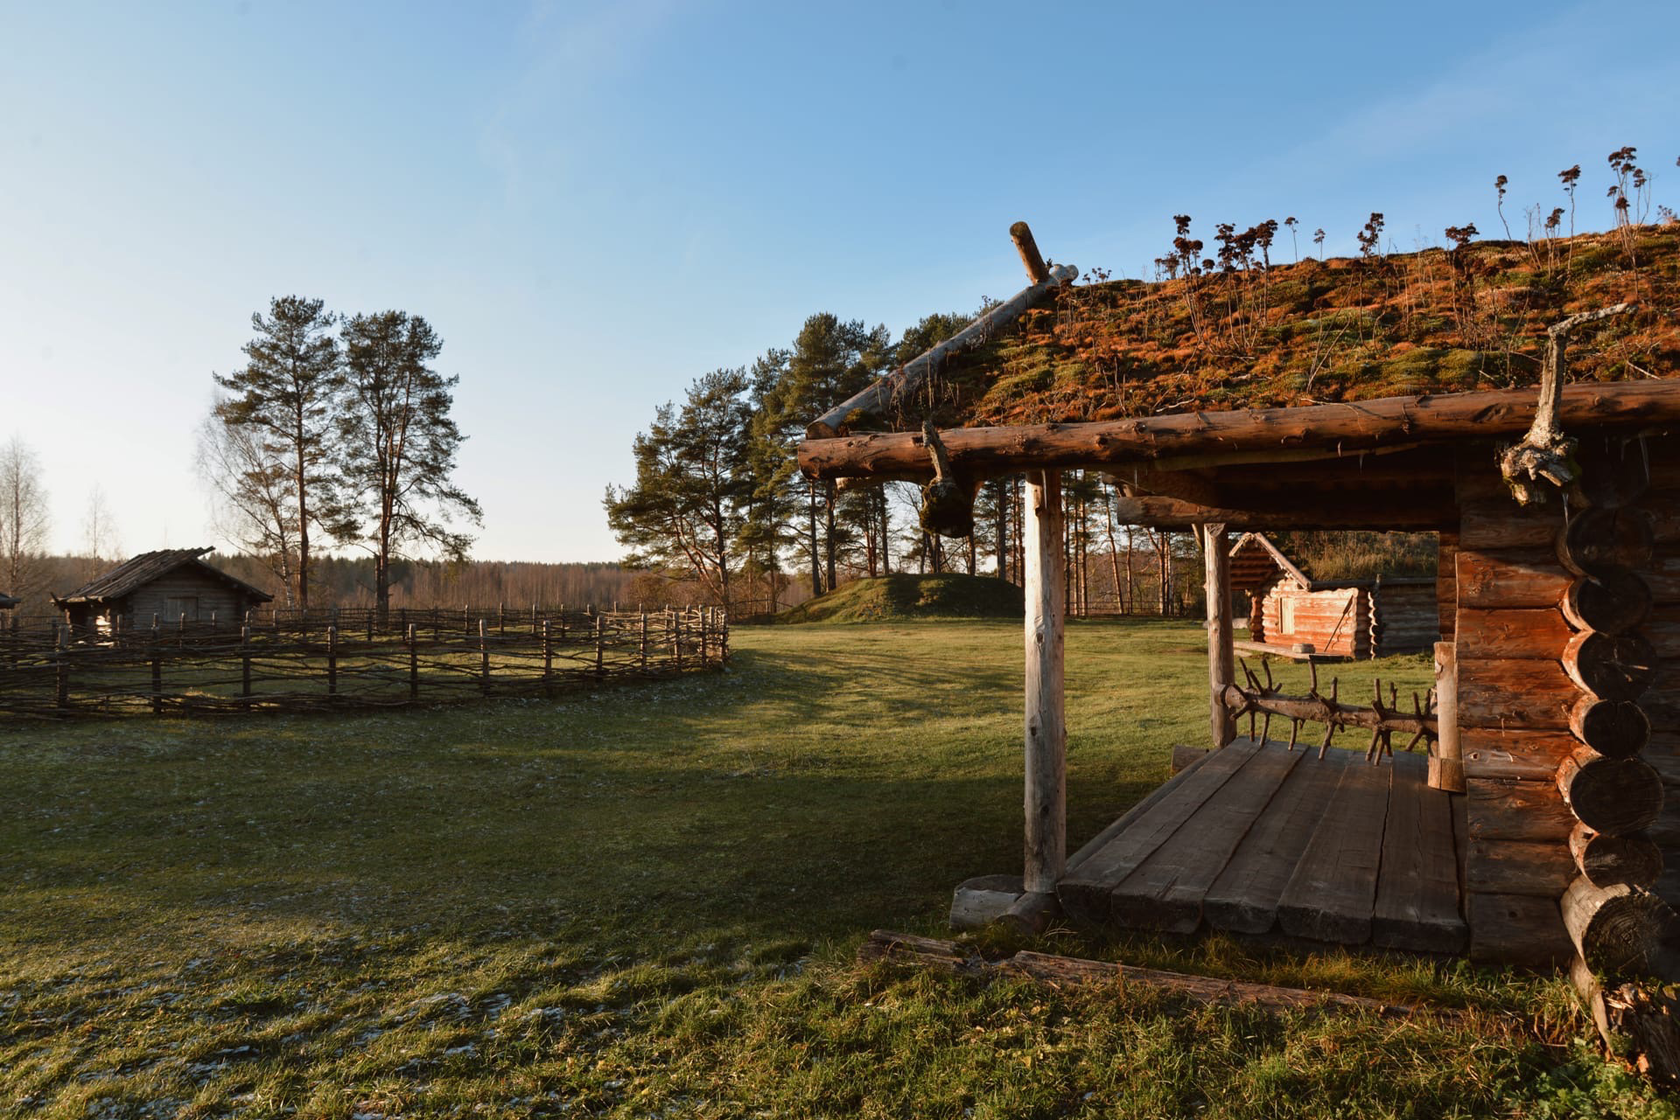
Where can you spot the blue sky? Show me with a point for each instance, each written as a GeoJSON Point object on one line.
{"type": "Point", "coordinates": [595, 203]}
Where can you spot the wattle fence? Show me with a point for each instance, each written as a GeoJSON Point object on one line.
{"type": "Point", "coordinates": [342, 659]}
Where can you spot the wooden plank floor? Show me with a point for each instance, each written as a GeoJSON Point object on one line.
{"type": "Point", "coordinates": [1259, 839]}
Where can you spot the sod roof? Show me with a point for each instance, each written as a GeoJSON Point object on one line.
{"type": "Point", "coordinates": [1312, 332]}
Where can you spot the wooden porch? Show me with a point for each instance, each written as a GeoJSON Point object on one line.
{"type": "Point", "coordinates": [1258, 839]}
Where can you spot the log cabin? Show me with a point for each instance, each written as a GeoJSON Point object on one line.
{"type": "Point", "coordinates": [1292, 615]}
{"type": "Point", "coordinates": [1525, 813]}
{"type": "Point", "coordinates": [172, 586]}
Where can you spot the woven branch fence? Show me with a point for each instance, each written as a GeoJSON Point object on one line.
{"type": "Point", "coordinates": [331, 659]}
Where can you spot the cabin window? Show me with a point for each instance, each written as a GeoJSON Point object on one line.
{"type": "Point", "coordinates": [178, 606]}
{"type": "Point", "coordinates": [1286, 615]}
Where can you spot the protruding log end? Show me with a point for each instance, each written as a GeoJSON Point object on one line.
{"type": "Point", "coordinates": [1598, 540]}
{"type": "Point", "coordinates": [1613, 728]}
{"type": "Point", "coordinates": [1608, 860]}
{"type": "Point", "coordinates": [1028, 248]}
{"type": "Point", "coordinates": [1621, 930]}
{"type": "Point", "coordinates": [1615, 796]}
{"type": "Point", "coordinates": [1613, 601]}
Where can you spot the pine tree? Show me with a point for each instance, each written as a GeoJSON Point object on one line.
{"type": "Point", "coordinates": [398, 445]}
{"type": "Point", "coordinates": [287, 393]}
{"type": "Point", "coordinates": [684, 514]}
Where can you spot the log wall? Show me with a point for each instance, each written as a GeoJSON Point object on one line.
{"type": "Point", "coordinates": [1404, 616]}
{"type": "Point", "coordinates": [1513, 712]}
{"type": "Point", "coordinates": [1334, 622]}
{"type": "Point", "coordinates": [1571, 800]}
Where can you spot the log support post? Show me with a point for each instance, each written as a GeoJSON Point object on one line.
{"type": "Point", "coordinates": [1446, 761]}
{"type": "Point", "coordinates": [413, 665]}
{"type": "Point", "coordinates": [245, 662]}
{"type": "Point", "coordinates": [1216, 553]}
{"type": "Point", "coordinates": [332, 659]}
{"type": "Point", "coordinates": [1046, 729]}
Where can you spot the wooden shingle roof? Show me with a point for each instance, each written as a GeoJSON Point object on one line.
{"type": "Point", "coordinates": [145, 568]}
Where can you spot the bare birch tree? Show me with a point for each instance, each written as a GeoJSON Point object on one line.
{"type": "Point", "coordinates": [24, 518]}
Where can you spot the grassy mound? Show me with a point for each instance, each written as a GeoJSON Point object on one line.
{"type": "Point", "coordinates": [898, 597]}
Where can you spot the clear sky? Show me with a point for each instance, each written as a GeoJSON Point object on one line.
{"type": "Point", "coordinates": [593, 203]}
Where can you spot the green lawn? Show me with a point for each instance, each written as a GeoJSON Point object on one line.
{"type": "Point", "coordinates": [645, 901]}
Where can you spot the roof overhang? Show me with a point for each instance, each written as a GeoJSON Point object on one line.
{"type": "Point", "coordinates": [1187, 441]}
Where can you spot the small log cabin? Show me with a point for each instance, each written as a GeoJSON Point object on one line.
{"type": "Point", "coordinates": [173, 586]}
{"type": "Point", "coordinates": [1292, 615]}
{"type": "Point", "coordinates": [1535, 824]}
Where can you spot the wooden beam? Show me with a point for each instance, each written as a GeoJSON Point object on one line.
{"type": "Point", "coordinates": [1046, 728]}
{"type": "Point", "coordinates": [1334, 429]}
{"type": "Point", "coordinates": [1446, 761]}
{"type": "Point", "coordinates": [875, 401]}
{"type": "Point", "coordinates": [1414, 511]}
{"type": "Point", "coordinates": [1216, 556]}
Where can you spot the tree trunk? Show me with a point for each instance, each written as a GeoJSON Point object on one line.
{"type": "Point", "coordinates": [816, 557]}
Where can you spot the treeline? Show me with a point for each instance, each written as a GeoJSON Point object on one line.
{"type": "Point", "coordinates": [348, 581]}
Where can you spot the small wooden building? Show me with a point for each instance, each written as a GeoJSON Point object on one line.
{"type": "Point", "coordinates": [174, 586]}
{"type": "Point", "coordinates": [1532, 826]}
{"type": "Point", "coordinates": [1292, 615]}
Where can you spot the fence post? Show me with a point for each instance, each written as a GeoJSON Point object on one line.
{"type": "Point", "coordinates": [562, 624]}
{"type": "Point", "coordinates": [466, 622]}
{"type": "Point", "coordinates": [676, 636]}
{"type": "Point", "coordinates": [245, 661]}
{"type": "Point", "coordinates": [413, 666]}
{"type": "Point", "coordinates": [644, 641]}
{"type": "Point", "coordinates": [483, 660]}
{"type": "Point", "coordinates": [548, 655]}
{"type": "Point", "coordinates": [181, 630]}
{"type": "Point", "coordinates": [61, 639]}
{"type": "Point", "coordinates": [705, 617]}
{"type": "Point", "coordinates": [332, 660]}
{"type": "Point", "coordinates": [370, 621]}
{"type": "Point", "coordinates": [501, 618]}
{"type": "Point", "coordinates": [533, 618]}
{"type": "Point", "coordinates": [600, 646]}
{"type": "Point", "coordinates": [157, 669]}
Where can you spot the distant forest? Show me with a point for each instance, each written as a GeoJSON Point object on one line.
{"type": "Point", "coordinates": [341, 581]}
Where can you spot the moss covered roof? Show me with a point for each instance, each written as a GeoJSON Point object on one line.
{"type": "Point", "coordinates": [1434, 321]}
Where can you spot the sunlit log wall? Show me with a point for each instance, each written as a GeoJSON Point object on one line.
{"type": "Point", "coordinates": [1560, 671]}
{"type": "Point", "coordinates": [328, 659]}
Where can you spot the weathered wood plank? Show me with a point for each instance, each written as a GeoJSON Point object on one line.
{"type": "Point", "coordinates": [1495, 579]}
{"type": "Point", "coordinates": [1513, 632]}
{"type": "Point", "coordinates": [1417, 903]}
{"type": "Point", "coordinates": [1542, 868]}
{"type": "Point", "coordinates": [1333, 891]}
{"type": "Point", "coordinates": [1085, 891]}
{"type": "Point", "coordinates": [1244, 899]}
{"type": "Point", "coordinates": [1517, 693]}
{"type": "Point", "coordinates": [1517, 929]}
{"type": "Point", "coordinates": [1096, 843]}
{"type": "Point", "coordinates": [1507, 809]}
{"type": "Point", "coordinates": [1526, 755]}
{"type": "Point", "coordinates": [1166, 891]}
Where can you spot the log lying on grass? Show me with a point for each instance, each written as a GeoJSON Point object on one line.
{"type": "Point", "coordinates": [907, 948]}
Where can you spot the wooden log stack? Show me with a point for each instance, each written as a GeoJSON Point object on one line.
{"type": "Point", "coordinates": [1621, 931]}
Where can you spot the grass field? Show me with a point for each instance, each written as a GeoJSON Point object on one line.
{"type": "Point", "coordinates": [644, 902]}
